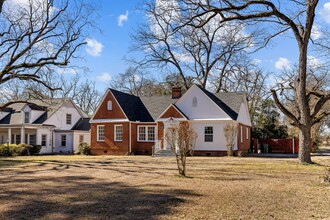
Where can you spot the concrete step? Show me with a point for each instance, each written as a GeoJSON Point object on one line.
{"type": "Point", "coordinates": [164, 153]}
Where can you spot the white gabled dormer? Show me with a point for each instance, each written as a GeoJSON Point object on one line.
{"type": "Point", "coordinates": [30, 115]}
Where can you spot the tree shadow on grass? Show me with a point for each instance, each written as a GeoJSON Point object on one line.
{"type": "Point", "coordinates": [81, 197]}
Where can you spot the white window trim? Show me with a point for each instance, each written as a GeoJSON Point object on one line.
{"type": "Point", "coordinates": [247, 133]}
{"type": "Point", "coordinates": [97, 132]}
{"type": "Point", "coordinates": [45, 140]}
{"type": "Point", "coordinates": [66, 119]}
{"type": "Point", "coordinates": [147, 132]}
{"type": "Point", "coordinates": [115, 133]}
{"type": "Point", "coordinates": [241, 134]}
{"type": "Point", "coordinates": [64, 135]}
{"type": "Point", "coordinates": [81, 135]}
{"type": "Point", "coordinates": [28, 118]}
{"type": "Point", "coordinates": [109, 105]}
{"type": "Point", "coordinates": [209, 134]}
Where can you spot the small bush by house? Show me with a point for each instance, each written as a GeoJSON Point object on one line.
{"type": "Point", "coordinates": [84, 148]}
{"type": "Point", "coordinates": [19, 150]}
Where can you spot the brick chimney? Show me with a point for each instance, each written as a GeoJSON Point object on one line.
{"type": "Point", "coordinates": [176, 92]}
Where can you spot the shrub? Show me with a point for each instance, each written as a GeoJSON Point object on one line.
{"type": "Point", "coordinates": [84, 148]}
{"type": "Point", "coordinates": [34, 149]}
{"type": "Point", "coordinates": [5, 150]}
{"type": "Point", "coordinates": [19, 150]}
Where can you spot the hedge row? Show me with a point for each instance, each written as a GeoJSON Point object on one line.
{"type": "Point", "coordinates": [19, 150]}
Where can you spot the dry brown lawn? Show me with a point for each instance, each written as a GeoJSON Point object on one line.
{"type": "Point", "coordinates": [138, 187]}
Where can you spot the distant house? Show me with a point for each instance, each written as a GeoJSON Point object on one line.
{"type": "Point", "coordinates": [58, 125]}
{"type": "Point", "coordinates": [127, 124]}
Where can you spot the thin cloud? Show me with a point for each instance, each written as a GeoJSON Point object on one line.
{"type": "Point", "coordinates": [94, 48]}
{"type": "Point", "coordinates": [122, 19]}
{"type": "Point", "coordinates": [104, 77]}
{"type": "Point", "coordinates": [282, 63]}
{"type": "Point", "coordinates": [316, 32]}
{"type": "Point", "coordinates": [325, 12]}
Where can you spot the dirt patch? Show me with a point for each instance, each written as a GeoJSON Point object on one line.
{"type": "Point", "coordinates": [78, 187]}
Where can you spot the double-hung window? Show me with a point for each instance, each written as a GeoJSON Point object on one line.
{"type": "Point", "coordinates": [100, 133]}
{"type": "Point", "coordinates": [63, 140]}
{"type": "Point", "coordinates": [208, 134]}
{"type": "Point", "coordinates": [44, 140]}
{"type": "Point", "coordinates": [118, 132]}
{"type": "Point", "coordinates": [146, 133]}
{"type": "Point", "coordinates": [26, 117]}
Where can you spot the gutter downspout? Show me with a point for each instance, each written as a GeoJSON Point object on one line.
{"type": "Point", "coordinates": [130, 139]}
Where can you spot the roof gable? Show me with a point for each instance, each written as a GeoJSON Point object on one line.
{"type": "Point", "coordinates": [157, 104]}
{"type": "Point", "coordinates": [199, 104]}
{"type": "Point", "coordinates": [102, 111]}
{"type": "Point", "coordinates": [222, 105]}
{"type": "Point", "coordinates": [132, 106]}
{"type": "Point", "coordinates": [172, 112]}
{"type": "Point", "coordinates": [124, 106]}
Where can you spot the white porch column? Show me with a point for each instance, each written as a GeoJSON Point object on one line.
{"type": "Point", "coordinates": [37, 137]}
{"type": "Point", "coordinates": [23, 135]}
{"type": "Point", "coordinates": [9, 135]}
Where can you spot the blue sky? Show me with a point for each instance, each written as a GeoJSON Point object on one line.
{"type": "Point", "coordinates": [105, 51]}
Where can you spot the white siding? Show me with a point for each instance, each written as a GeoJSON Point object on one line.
{"type": "Point", "coordinates": [59, 117]}
{"type": "Point", "coordinates": [243, 115]}
{"type": "Point", "coordinates": [69, 142]}
{"type": "Point", "coordinates": [206, 108]}
{"type": "Point", "coordinates": [45, 149]}
{"type": "Point", "coordinates": [76, 134]}
{"type": "Point", "coordinates": [219, 140]}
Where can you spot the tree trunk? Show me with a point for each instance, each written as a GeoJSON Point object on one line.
{"type": "Point", "coordinates": [303, 102]}
{"type": "Point", "coordinates": [304, 145]}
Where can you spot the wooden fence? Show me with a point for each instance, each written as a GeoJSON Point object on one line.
{"type": "Point", "coordinates": [285, 146]}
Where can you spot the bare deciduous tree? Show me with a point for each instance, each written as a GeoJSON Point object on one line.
{"type": "Point", "coordinates": [296, 16]}
{"type": "Point", "coordinates": [230, 131]}
{"type": "Point", "coordinates": [182, 140]}
{"type": "Point", "coordinates": [38, 35]}
{"type": "Point", "coordinates": [197, 53]}
{"type": "Point", "coordinates": [83, 93]}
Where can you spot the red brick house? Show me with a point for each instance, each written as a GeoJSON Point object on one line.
{"type": "Point", "coordinates": [127, 124]}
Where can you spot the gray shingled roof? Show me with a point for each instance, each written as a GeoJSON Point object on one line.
{"type": "Point", "coordinates": [82, 125]}
{"type": "Point", "coordinates": [157, 104]}
{"type": "Point", "coordinates": [15, 117]}
{"type": "Point", "coordinates": [231, 99]}
{"type": "Point", "coordinates": [132, 106]}
{"type": "Point", "coordinates": [147, 109]}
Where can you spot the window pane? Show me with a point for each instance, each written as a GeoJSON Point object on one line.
{"type": "Point", "coordinates": [32, 139]}
{"type": "Point", "coordinates": [63, 140]}
{"type": "Point", "coordinates": [109, 105]}
{"type": "Point", "coordinates": [81, 138]}
{"type": "Point", "coordinates": [100, 133]}
{"type": "Point", "coordinates": [68, 119]}
{"type": "Point", "coordinates": [208, 134]}
{"type": "Point", "coordinates": [151, 133]}
{"type": "Point", "coordinates": [43, 140]}
{"type": "Point", "coordinates": [119, 133]}
{"type": "Point", "coordinates": [18, 139]}
{"type": "Point", "coordinates": [27, 117]}
{"type": "Point", "coordinates": [142, 133]}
